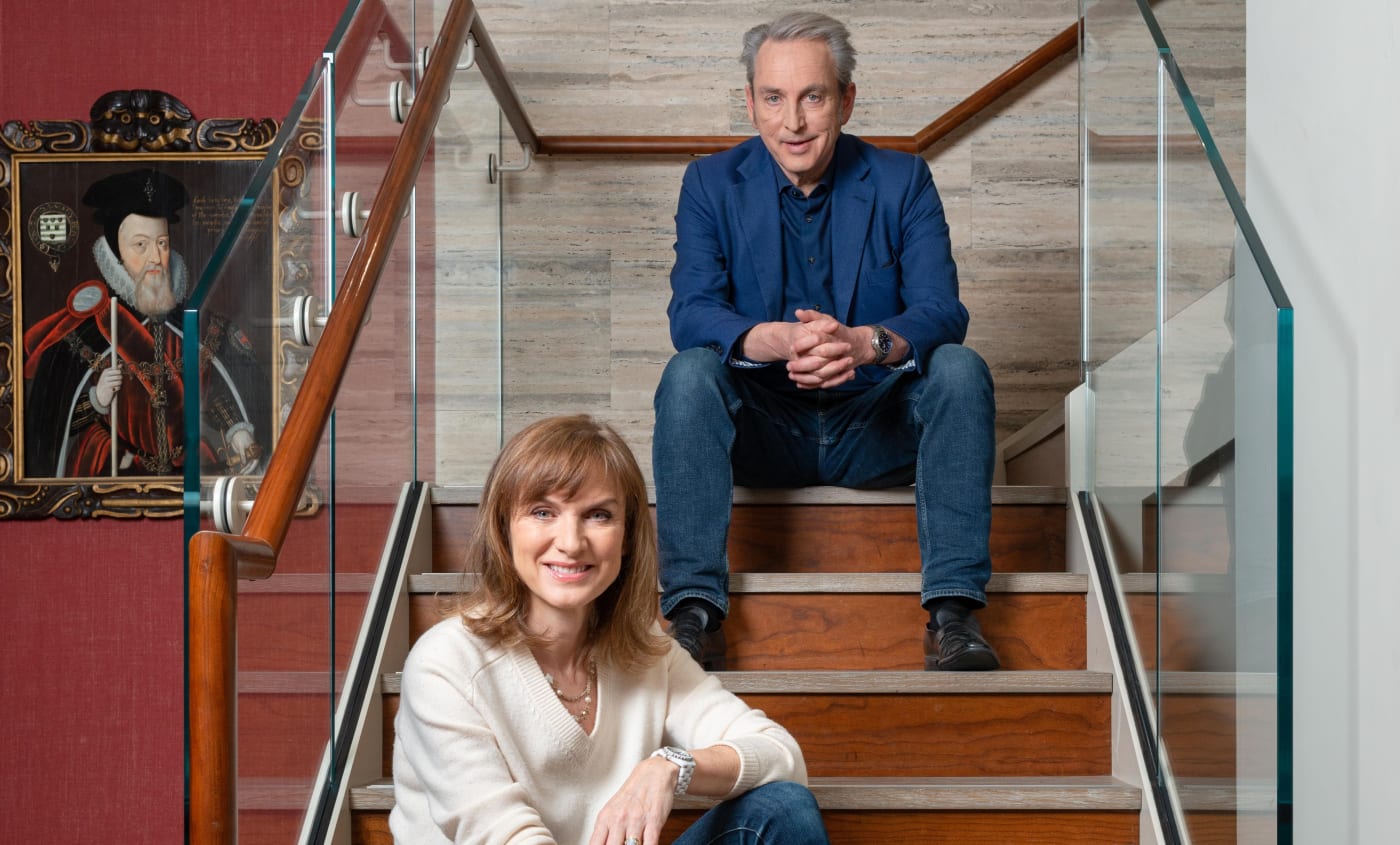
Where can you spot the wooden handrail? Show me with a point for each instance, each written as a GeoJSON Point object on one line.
{"type": "Point", "coordinates": [216, 560]}
{"type": "Point", "coordinates": [1138, 146]}
{"type": "Point", "coordinates": [920, 142]}
{"type": "Point", "coordinates": [493, 70]}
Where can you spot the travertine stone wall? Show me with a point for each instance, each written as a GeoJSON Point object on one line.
{"type": "Point", "coordinates": [588, 241]}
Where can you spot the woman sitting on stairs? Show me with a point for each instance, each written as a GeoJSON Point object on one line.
{"type": "Point", "coordinates": [551, 708]}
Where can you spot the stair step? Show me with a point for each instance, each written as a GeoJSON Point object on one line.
{"type": "Point", "coordinates": [832, 529]}
{"type": "Point", "coordinates": [867, 811]}
{"type": "Point", "coordinates": [1002, 494]}
{"type": "Point", "coordinates": [1035, 621]}
{"type": "Point", "coordinates": [819, 582]}
{"type": "Point", "coordinates": [290, 629]}
{"type": "Point", "coordinates": [890, 683]}
{"type": "Point", "coordinates": [904, 793]}
{"type": "Point", "coordinates": [975, 724]}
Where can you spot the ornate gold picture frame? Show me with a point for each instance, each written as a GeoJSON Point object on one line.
{"type": "Point", "coordinates": [92, 326]}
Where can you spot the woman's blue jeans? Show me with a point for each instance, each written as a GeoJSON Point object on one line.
{"type": "Point", "coordinates": [716, 428]}
{"type": "Point", "coordinates": [781, 813]}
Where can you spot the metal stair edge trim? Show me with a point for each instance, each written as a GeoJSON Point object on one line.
{"type": "Point", "coordinates": [1002, 494]}
{"type": "Point", "coordinates": [821, 582]}
{"type": "Point", "coordinates": [909, 794]}
{"type": "Point", "coordinates": [893, 682]}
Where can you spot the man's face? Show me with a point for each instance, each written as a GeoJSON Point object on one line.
{"type": "Point", "coordinates": [797, 107]}
{"type": "Point", "coordinates": [144, 243]}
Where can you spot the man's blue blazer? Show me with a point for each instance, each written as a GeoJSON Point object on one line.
{"type": "Point", "coordinates": [892, 261]}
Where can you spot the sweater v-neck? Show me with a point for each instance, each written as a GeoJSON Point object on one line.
{"type": "Point", "coordinates": [576, 741]}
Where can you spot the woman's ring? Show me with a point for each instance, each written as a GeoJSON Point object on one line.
{"type": "Point", "coordinates": [631, 840]}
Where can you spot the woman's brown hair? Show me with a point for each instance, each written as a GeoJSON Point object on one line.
{"type": "Point", "coordinates": [552, 456]}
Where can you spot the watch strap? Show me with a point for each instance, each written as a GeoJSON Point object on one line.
{"type": "Point", "coordinates": [881, 343]}
{"type": "Point", "coordinates": [683, 761]}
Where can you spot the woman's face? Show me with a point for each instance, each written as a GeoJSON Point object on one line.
{"type": "Point", "coordinates": [568, 551]}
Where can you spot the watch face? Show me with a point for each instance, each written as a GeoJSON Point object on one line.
{"type": "Point", "coordinates": [882, 341]}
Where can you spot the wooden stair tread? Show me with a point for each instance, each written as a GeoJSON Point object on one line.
{"type": "Point", "coordinates": [1227, 795]}
{"type": "Point", "coordinates": [1002, 494]}
{"type": "Point", "coordinates": [822, 582]}
{"type": "Point", "coordinates": [892, 682]}
{"type": "Point", "coordinates": [1233, 684]}
{"type": "Point", "coordinates": [1204, 583]}
{"type": "Point", "coordinates": [1006, 793]}
{"type": "Point", "coordinates": [309, 582]}
{"type": "Point", "coordinates": [274, 793]}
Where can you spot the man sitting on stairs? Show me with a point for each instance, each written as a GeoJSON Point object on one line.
{"type": "Point", "coordinates": [816, 316]}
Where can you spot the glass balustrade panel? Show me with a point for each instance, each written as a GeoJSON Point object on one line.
{"type": "Point", "coordinates": [1219, 498]}
{"type": "Point", "coordinates": [371, 439]}
{"type": "Point", "coordinates": [240, 382]}
{"type": "Point", "coordinates": [1207, 42]}
{"type": "Point", "coordinates": [459, 293]}
{"type": "Point", "coordinates": [1118, 109]}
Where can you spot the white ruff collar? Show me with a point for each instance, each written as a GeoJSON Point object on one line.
{"type": "Point", "coordinates": [120, 281]}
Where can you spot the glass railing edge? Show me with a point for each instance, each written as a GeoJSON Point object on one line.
{"type": "Point", "coordinates": [342, 26]}
{"type": "Point", "coordinates": [1153, 27]}
{"type": "Point", "coordinates": [256, 186]}
{"type": "Point", "coordinates": [1227, 184]}
{"type": "Point", "coordinates": [1284, 660]}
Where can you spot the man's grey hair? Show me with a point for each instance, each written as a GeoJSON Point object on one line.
{"type": "Point", "coordinates": [804, 26]}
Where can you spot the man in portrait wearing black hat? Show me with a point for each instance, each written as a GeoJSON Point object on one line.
{"type": "Point", "coordinates": [76, 389]}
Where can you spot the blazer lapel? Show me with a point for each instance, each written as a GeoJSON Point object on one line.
{"type": "Point", "coordinates": [853, 205]}
{"type": "Point", "coordinates": [756, 215]}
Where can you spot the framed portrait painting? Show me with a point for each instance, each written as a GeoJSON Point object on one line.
{"type": "Point", "coordinates": [101, 250]}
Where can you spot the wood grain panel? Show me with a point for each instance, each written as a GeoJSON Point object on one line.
{"type": "Point", "coordinates": [849, 827]}
{"type": "Point", "coordinates": [1194, 537]}
{"type": "Point", "coordinates": [871, 631]}
{"type": "Point", "coordinates": [1200, 734]}
{"type": "Point", "coordinates": [282, 735]}
{"type": "Point", "coordinates": [1049, 735]}
{"type": "Point", "coordinates": [880, 827]}
{"type": "Point", "coordinates": [829, 538]}
{"type": "Point", "coordinates": [275, 827]}
{"type": "Point", "coordinates": [1216, 829]}
{"type": "Point", "coordinates": [885, 631]}
{"type": "Point", "coordinates": [946, 735]}
{"type": "Point", "coordinates": [291, 632]}
{"type": "Point", "coordinates": [1187, 632]}
{"type": "Point", "coordinates": [858, 538]}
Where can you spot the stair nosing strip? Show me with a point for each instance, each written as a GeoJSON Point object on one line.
{"type": "Point", "coordinates": [1002, 494]}
{"type": "Point", "coordinates": [822, 582]}
{"type": "Point", "coordinates": [1010, 793]}
{"type": "Point", "coordinates": [894, 682]}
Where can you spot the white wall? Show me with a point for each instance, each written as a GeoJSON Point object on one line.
{"type": "Point", "coordinates": [1324, 189]}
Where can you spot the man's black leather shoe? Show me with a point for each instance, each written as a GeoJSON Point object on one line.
{"type": "Point", "coordinates": [707, 647]}
{"type": "Point", "coordinates": [957, 644]}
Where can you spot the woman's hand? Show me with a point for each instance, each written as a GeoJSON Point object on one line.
{"type": "Point", "coordinates": [636, 813]}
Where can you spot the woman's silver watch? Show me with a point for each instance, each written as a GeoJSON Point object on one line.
{"type": "Point", "coordinates": [683, 761]}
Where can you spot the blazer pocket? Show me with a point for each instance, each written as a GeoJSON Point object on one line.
{"type": "Point", "coordinates": [886, 276]}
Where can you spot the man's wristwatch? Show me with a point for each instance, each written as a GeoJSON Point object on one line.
{"type": "Point", "coordinates": [881, 342]}
{"type": "Point", "coordinates": [683, 761]}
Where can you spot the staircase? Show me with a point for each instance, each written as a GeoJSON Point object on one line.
{"type": "Point", "coordinates": [824, 635]}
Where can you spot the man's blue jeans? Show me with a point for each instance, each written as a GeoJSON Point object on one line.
{"type": "Point", "coordinates": [716, 428]}
{"type": "Point", "coordinates": [781, 813]}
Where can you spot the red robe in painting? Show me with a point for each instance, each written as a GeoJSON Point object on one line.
{"type": "Point", "coordinates": [66, 352]}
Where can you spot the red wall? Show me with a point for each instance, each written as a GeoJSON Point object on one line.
{"type": "Point", "coordinates": [92, 661]}
{"type": "Point", "coordinates": [244, 59]}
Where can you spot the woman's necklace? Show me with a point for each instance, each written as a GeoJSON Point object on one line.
{"type": "Point", "coordinates": [586, 696]}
